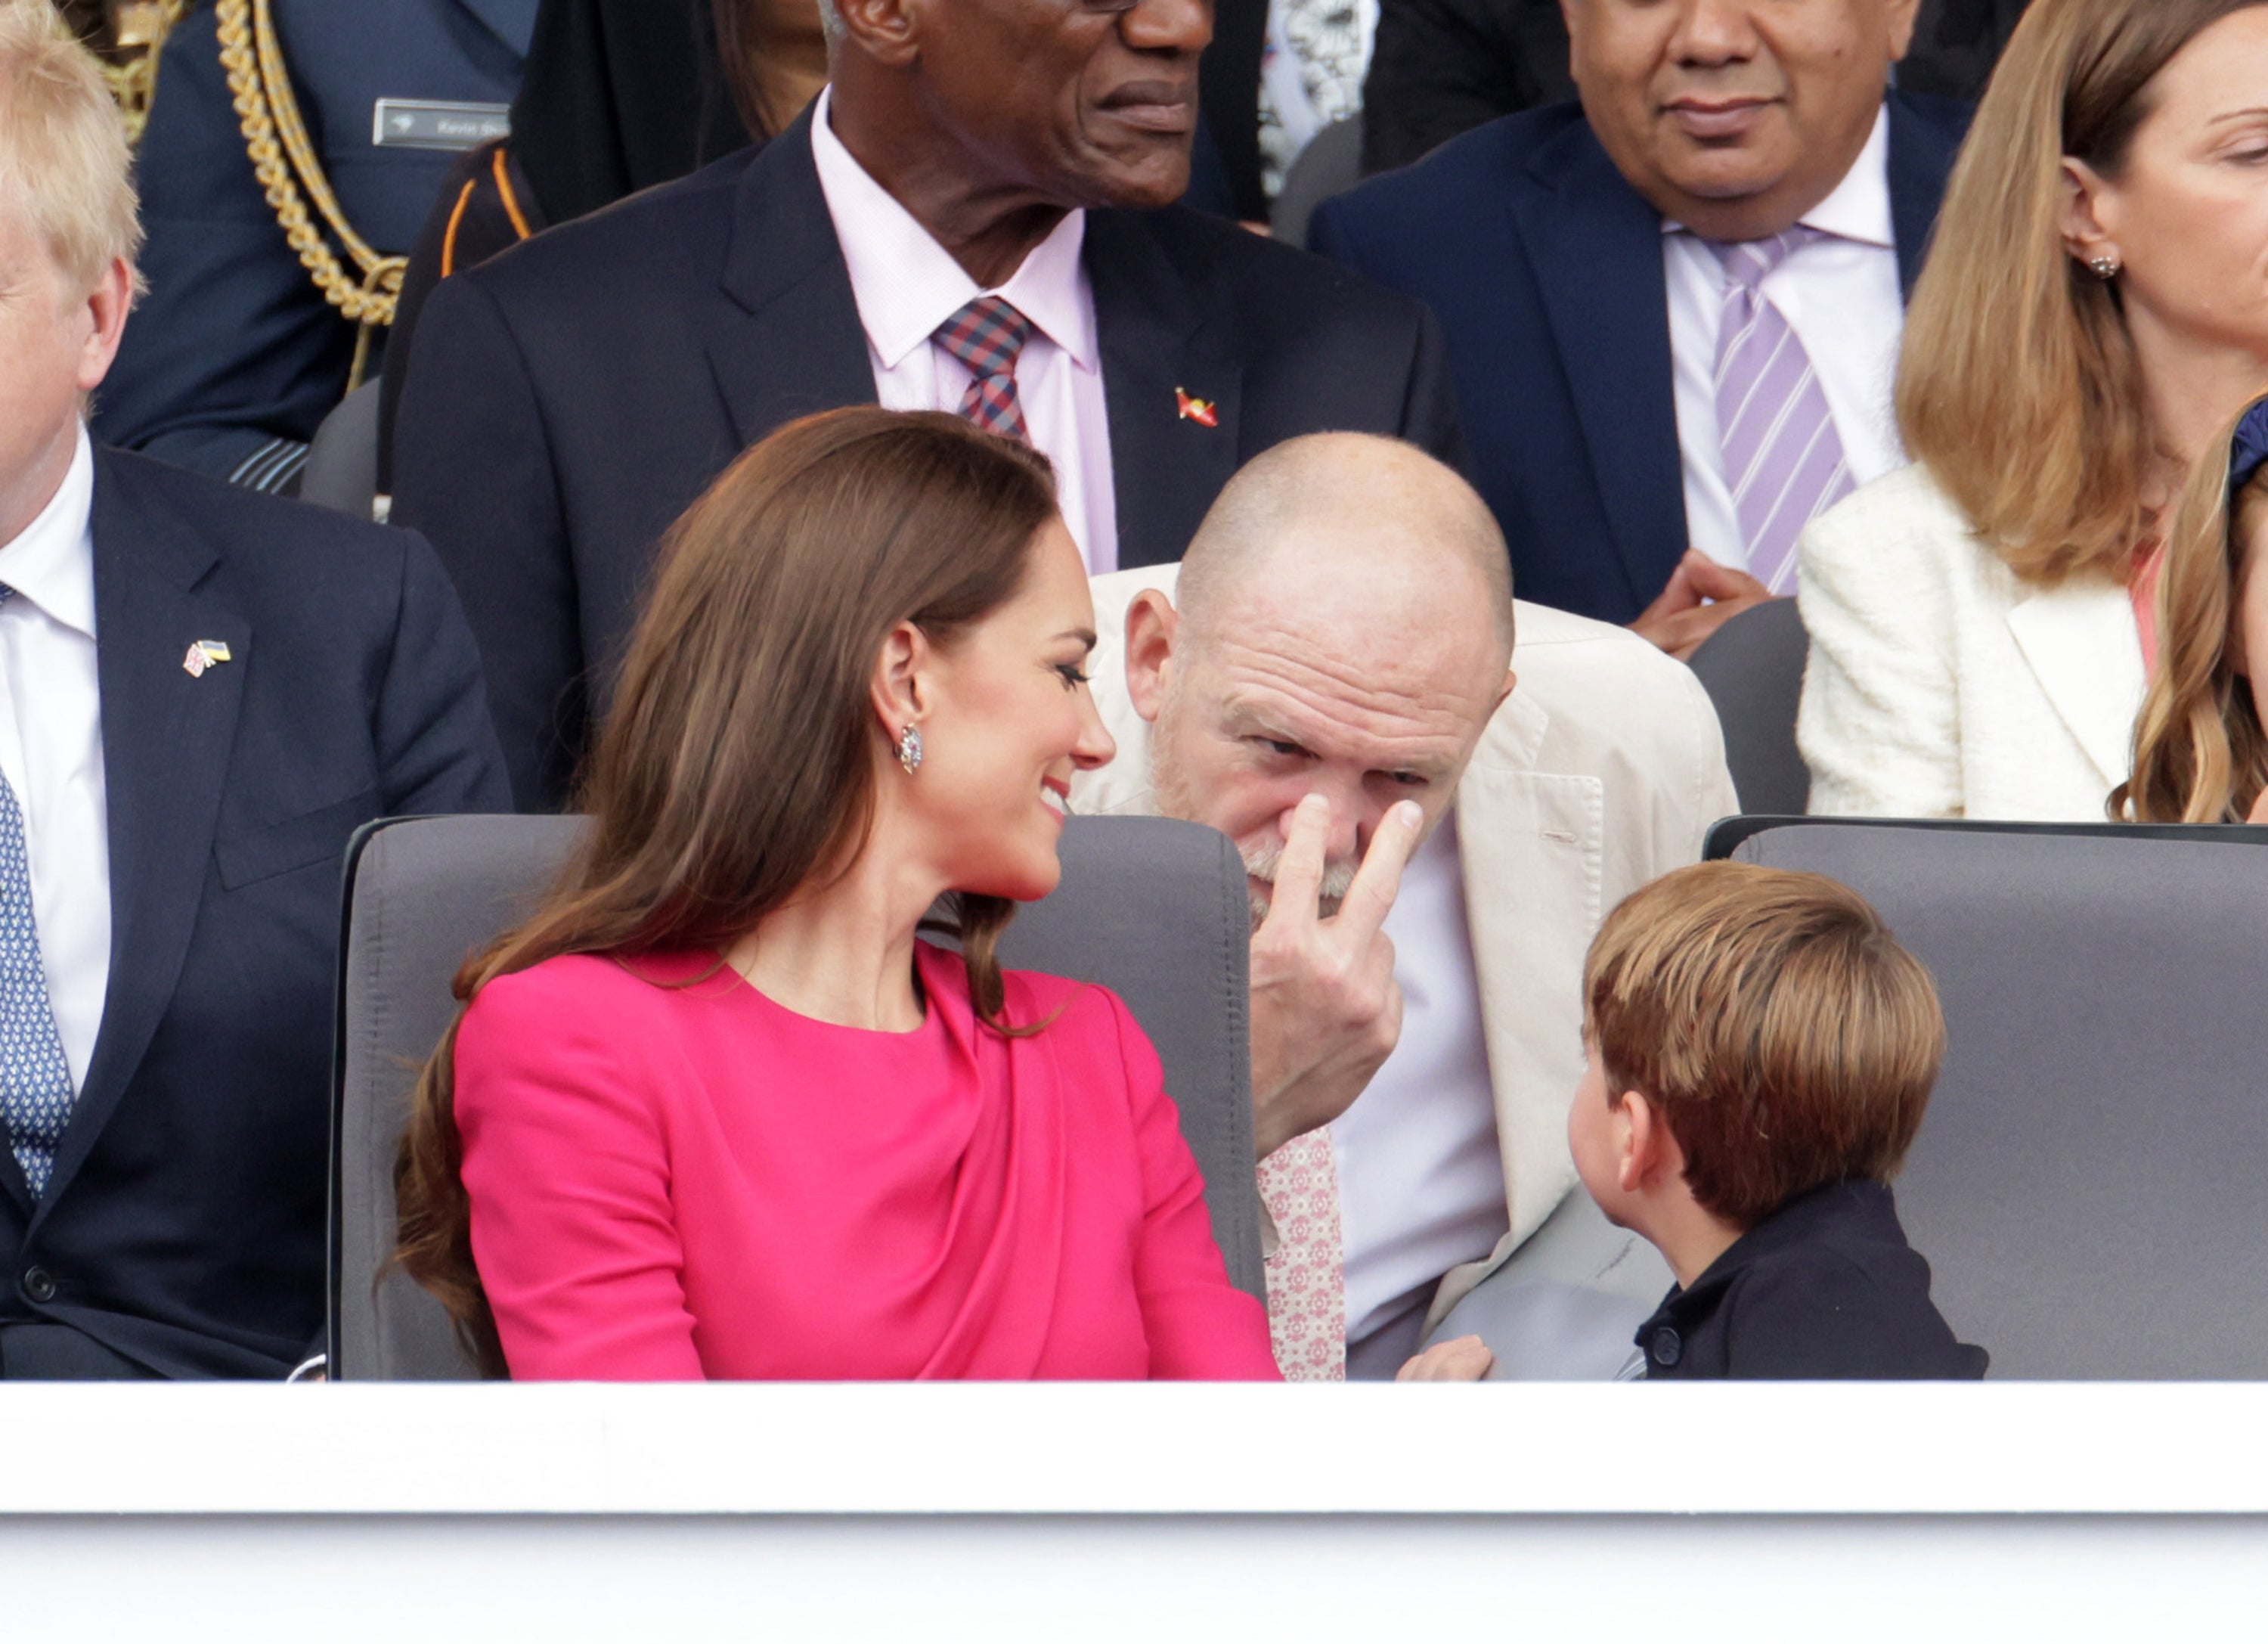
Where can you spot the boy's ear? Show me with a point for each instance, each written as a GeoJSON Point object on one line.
{"type": "Point", "coordinates": [1650, 1154]}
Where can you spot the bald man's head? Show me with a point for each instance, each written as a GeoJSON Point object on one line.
{"type": "Point", "coordinates": [1341, 625]}
{"type": "Point", "coordinates": [1376, 517]}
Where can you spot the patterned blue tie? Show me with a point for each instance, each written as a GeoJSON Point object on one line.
{"type": "Point", "coordinates": [35, 1085]}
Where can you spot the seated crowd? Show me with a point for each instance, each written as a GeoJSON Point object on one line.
{"type": "Point", "coordinates": [829, 525]}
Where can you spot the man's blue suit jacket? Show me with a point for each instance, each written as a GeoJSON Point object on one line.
{"type": "Point", "coordinates": [1544, 267]}
{"type": "Point", "coordinates": [182, 1232]}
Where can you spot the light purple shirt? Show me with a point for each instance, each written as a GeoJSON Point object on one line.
{"type": "Point", "coordinates": [907, 285]}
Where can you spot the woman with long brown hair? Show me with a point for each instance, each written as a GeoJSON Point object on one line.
{"type": "Point", "coordinates": [2200, 753]}
{"type": "Point", "coordinates": [715, 1110]}
{"type": "Point", "coordinates": [2094, 308]}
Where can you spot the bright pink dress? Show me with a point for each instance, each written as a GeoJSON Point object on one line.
{"type": "Point", "coordinates": [675, 1178]}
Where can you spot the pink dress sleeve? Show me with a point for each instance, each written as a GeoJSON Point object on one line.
{"type": "Point", "coordinates": [568, 1172]}
{"type": "Point", "coordinates": [1201, 1327]}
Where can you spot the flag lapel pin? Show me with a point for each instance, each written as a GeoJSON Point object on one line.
{"type": "Point", "coordinates": [204, 654]}
{"type": "Point", "coordinates": [1205, 413]}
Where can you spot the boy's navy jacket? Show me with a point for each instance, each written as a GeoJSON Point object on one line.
{"type": "Point", "coordinates": [1825, 1288]}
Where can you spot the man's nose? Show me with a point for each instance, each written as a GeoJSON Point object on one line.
{"type": "Point", "coordinates": [1175, 26]}
{"type": "Point", "coordinates": [1712, 33]}
{"type": "Point", "coordinates": [1345, 837]}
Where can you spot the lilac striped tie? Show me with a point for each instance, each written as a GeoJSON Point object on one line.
{"type": "Point", "coordinates": [1783, 459]}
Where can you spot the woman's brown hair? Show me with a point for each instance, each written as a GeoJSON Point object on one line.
{"type": "Point", "coordinates": [737, 764]}
{"type": "Point", "coordinates": [2200, 755]}
{"type": "Point", "coordinates": [2018, 384]}
{"type": "Point", "coordinates": [1785, 1037]}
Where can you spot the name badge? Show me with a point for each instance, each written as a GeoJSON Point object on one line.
{"type": "Point", "coordinates": [409, 122]}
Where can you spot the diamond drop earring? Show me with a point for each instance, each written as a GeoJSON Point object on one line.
{"type": "Point", "coordinates": [2106, 267]}
{"type": "Point", "coordinates": [909, 749]}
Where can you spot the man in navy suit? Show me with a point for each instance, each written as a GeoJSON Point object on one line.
{"type": "Point", "coordinates": [236, 353]}
{"type": "Point", "coordinates": [985, 180]}
{"type": "Point", "coordinates": [203, 694]}
{"type": "Point", "coordinates": [1673, 309]}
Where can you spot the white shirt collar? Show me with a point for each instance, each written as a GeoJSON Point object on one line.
{"type": "Point", "coordinates": [1858, 210]}
{"type": "Point", "coordinates": [907, 285]}
{"type": "Point", "coordinates": [52, 564]}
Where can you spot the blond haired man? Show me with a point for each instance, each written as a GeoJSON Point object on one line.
{"type": "Point", "coordinates": [203, 694]}
{"type": "Point", "coordinates": [1437, 793]}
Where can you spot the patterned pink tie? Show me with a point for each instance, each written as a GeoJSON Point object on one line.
{"type": "Point", "coordinates": [987, 335]}
{"type": "Point", "coordinates": [1782, 458]}
{"type": "Point", "coordinates": [1306, 1275]}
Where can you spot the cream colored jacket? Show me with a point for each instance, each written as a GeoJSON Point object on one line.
{"type": "Point", "coordinates": [1602, 770]}
{"type": "Point", "coordinates": [1939, 685]}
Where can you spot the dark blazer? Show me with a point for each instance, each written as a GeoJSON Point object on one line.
{"type": "Point", "coordinates": [1825, 1288]}
{"type": "Point", "coordinates": [182, 1232]}
{"type": "Point", "coordinates": [1545, 267]}
{"type": "Point", "coordinates": [569, 399]}
{"type": "Point", "coordinates": [234, 357]}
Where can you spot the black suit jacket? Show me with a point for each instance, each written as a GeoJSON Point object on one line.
{"type": "Point", "coordinates": [1545, 267]}
{"type": "Point", "coordinates": [182, 1232]}
{"type": "Point", "coordinates": [1825, 1288]}
{"type": "Point", "coordinates": [567, 400]}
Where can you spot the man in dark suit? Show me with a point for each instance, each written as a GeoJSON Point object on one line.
{"type": "Point", "coordinates": [567, 400]}
{"type": "Point", "coordinates": [237, 351]}
{"type": "Point", "coordinates": [1439, 67]}
{"type": "Point", "coordinates": [1673, 309]}
{"type": "Point", "coordinates": [203, 694]}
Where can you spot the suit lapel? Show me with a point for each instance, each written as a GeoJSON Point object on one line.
{"type": "Point", "coordinates": [1532, 847]}
{"type": "Point", "coordinates": [2081, 642]}
{"type": "Point", "coordinates": [511, 21]}
{"type": "Point", "coordinates": [165, 741]}
{"type": "Point", "coordinates": [1595, 247]}
{"type": "Point", "coordinates": [1922, 152]}
{"type": "Point", "coordinates": [1149, 319]}
{"type": "Point", "coordinates": [789, 341]}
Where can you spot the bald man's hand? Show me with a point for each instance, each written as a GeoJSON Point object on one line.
{"type": "Point", "coordinates": [1701, 597]}
{"type": "Point", "coordinates": [1326, 1009]}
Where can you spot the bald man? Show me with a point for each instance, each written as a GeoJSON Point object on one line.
{"type": "Point", "coordinates": [1438, 792]}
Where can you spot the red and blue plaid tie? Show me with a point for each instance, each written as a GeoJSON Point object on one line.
{"type": "Point", "coordinates": [987, 335]}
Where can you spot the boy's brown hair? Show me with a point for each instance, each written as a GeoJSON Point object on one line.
{"type": "Point", "coordinates": [1785, 1037]}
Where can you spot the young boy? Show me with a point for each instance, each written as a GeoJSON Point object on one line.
{"type": "Point", "coordinates": [1761, 1050]}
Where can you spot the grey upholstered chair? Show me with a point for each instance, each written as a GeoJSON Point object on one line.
{"type": "Point", "coordinates": [2091, 1183]}
{"type": "Point", "coordinates": [1154, 909]}
{"type": "Point", "coordinates": [1752, 669]}
{"type": "Point", "coordinates": [342, 471]}
{"type": "Point", "coordinates": [1330, 166]}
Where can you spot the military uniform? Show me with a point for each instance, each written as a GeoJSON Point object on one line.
{"type": "Point", "coordinates": [236, 355]}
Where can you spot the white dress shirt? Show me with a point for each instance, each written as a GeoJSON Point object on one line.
{"type": "Point", "coordinates": [1842, 298]}
{"type": "Point", "coordinates": [51, 751]}
{"type": "Point", "coordinates": [1421, 1176]}
{"type": "Point", "coordinates": [907, 285]}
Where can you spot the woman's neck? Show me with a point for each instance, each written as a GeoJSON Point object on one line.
{"type": "Point", "coordinates": [2193, 387]}
{"type": "Point", "coordinates": [844, 952]}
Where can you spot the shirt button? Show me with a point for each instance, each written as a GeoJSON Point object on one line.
{"type": "Point", "coordinates": [38, 1284]}
{"type": "Point", "coordinates": [1668, 1350]}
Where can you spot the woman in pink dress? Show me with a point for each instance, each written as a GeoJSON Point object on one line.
{"type": "Point", "coordinates": [715, 1111]}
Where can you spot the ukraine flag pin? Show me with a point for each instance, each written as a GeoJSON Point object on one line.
{"type": "Point", "coordinates": [204, 654]}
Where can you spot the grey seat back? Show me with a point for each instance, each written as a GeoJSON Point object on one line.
{"type": "Point", "coordinates": [342, 471]}
{"type": "Point", "coordinates": [1330, 166]}
{"type": "Point", "coordinates": [1154, 909]}
{"type": "Point", "coordinates": [2091, 1183]}
{"type": "Point", "coordinates": [1752, 669]}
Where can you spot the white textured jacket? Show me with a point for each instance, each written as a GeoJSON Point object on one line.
{"type": "Point", "coordinates": [1942, 685]}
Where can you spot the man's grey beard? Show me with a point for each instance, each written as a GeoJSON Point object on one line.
{"type": "Point", "coordinates": [1260, 861]}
